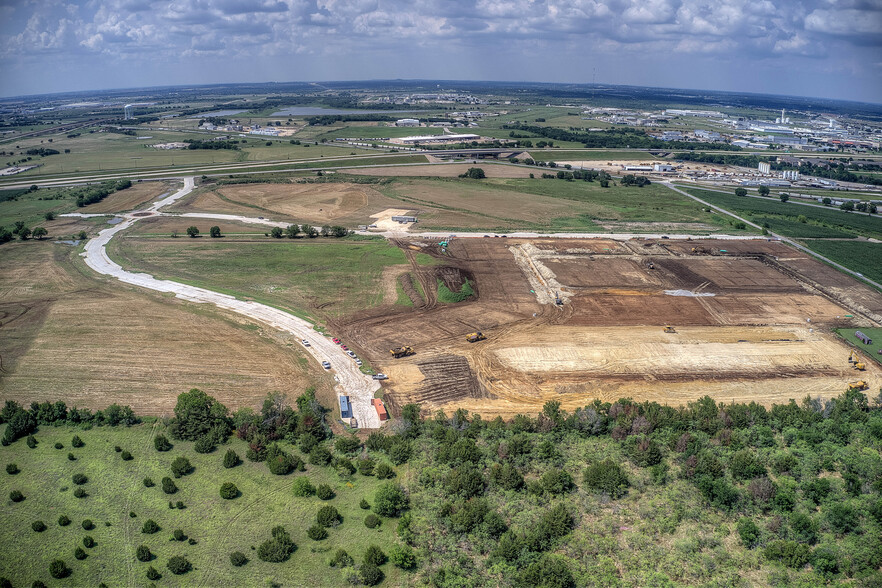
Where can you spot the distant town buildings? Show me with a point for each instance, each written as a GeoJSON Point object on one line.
{"type": "Point", "coordinates": [407, 122]}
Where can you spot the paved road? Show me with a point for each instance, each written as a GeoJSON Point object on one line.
{"type": "Point", "coordinates": [351, 381]}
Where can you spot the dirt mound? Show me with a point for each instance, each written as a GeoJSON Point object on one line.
{"type": "Point", "coordinates": [447, 377]}
{"type": "Point", "coordinates": [406, 281]}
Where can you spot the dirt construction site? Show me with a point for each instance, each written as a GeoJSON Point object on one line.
{"type": "Point", "coordinates": [584, 319]}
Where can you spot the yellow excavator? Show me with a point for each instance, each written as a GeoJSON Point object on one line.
{"type": "Point", "coordinates": [859, 385]}
{"type": "Point", "coordinates": [475, 337]}
{"type": "Point", "coordinates": [858, 365]}
{"type": "Point", "coordinates": [669, 329]}
{"type": "Point", "coordinates": [402, 351]}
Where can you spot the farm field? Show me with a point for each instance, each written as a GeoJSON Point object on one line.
{"type": "Point", "coordinates": [66, 335]}
{"type": "Point", "coordinates": [861, 256]}
{"type": "Point", "coordinates": [219, 527]}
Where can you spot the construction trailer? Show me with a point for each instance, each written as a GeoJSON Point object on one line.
{"type": "Point", "coordinates": [345, 408]}
{"type": "Point", "coordinates": [381, 409]}
{"type": "Point", "coordinates": [866, 340]}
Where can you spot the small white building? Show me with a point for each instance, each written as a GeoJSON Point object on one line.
{"type": "Point", "coordinates": [765, 167]}
{"type": "Point", "coordinates": [662, 167]}
{"type": "Point", "coordinates": [407, 122]}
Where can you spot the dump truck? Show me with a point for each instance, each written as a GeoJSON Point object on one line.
{"type": "Point", "coordinates": [859, 385]}
{"type": "Point", "coordinates": [669, 329]}
{"type": "Point", "coordinates": [403, 351]}
{"type": "Point", "coordinates": [475, 337]}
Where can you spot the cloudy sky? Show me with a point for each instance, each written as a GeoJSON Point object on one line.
{"type": "Point", "coordinates": [827, 48]}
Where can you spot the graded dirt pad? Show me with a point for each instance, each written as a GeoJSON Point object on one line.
{"type": "Point", "coordinates": [130, 198]}
{"type": "Point", "coordinates": [65, 336]}
{"type": "Point", "coordinates": [452, 170]}
{"type": "Point", "coordinates": [750, 340]}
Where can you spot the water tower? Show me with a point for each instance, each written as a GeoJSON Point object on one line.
{"type": "Point", "coordinates": [129, 110]}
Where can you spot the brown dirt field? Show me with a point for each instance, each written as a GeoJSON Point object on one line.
{"type": "Point", "coordinates": [67, 336]}
{"type": "Point", "coordinates": [130, 198]}
{"type": "Point", "coordinates": [750, 341]}
{"type": "Point", "coordinates": [452, 170]}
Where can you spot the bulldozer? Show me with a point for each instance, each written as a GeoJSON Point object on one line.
{"type": "Point", "coordinates": [858, 365]}
{"type": "Point", "coordinates": [475, 337]}
{"type": "Point", "coordinates": [403, 351]}
{"type": "Point", "coordinates": [669, 329]}
{"type": "Point", "coordinates": [859, 385]}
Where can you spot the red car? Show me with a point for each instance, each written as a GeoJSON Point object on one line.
{"type": "Point", "coordinates": [344, 348]}
{"type": "Point", "coordinates": [336, 340]}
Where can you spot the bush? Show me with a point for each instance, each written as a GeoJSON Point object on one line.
{"type": "Point", "coordinates": [384, 471]}
{"type": "Point", "coordinates": [161, 443]}
{"type": "Point", "coordinates": [143, 553]}
{"type": "Point", "coordinates": [548, 572]}
{"type": "Point", "coordinates": [79, 553]}
{"type": "Point", "coordinates": [179, 565]}
{"type": "Point", "coordinates": [88, 541]}
{"type": "Point", "coordinates": [228, 491]}
{"type": "Point", "coordinates": [607, 477]}
{"type": "Point", "coordinates": [789, 553]}
{"type": "Point", "coordinates": [303, 487]}
{"type": "Point", "coordinates": [58, 569]}
{"type": "Point", "coordinates": [317, 533]}
{"type": "Point", "coordinates": [280, 462]}
{"type": "Point", "coordinates": [204, 444]}
{"type": "Point", "coordinates": [374, 555]}
{"type": "Point", "coordinates": [327, 516]}
{"type": "Point", "coordinates": [16, 496]}
{"type": "Point", "coordinates": [349, 445]}
{"type": "Point", "coordinates": [390, 500]}
{"type": "Point", "coordinates": [277, 549]}
{"type": "Point", "coordinates": [371, 521]}
{"type": "Point", "coordinates": [31, 441]}
{"type": "Point", "coordinates": [80, 493]}
{"type": "Point", "coordinates": [179, 505]}
{"type": "Point", "coordinates": [12, 469]}
{"type": "Point", "coordinates": [88, 525]}
{"type": "Point", "coordinates": [364, 504]}
{"type": "Point", "coordinates": [181, 467]}
{"type": "Point", "coordinates": [169, 486]}
{"type": "Point", "coordinates": [153, 574]}
{"type": "Point", "coordinates": [842, 517]}
{"type": "Point", "coordinates": [38, 526]}
{"type": "Point", "coordinates": [402, 556]}
{"type": "Point", "coordinates": [231, 460]}
{"type": "Point", "coordinates": [324, 492]}
{"type": "Point", "coordinates": [749, 532]}
{"type": "Point", "coordinates": [76, 441]}
{"type": "Point", "coordinates": [178, 535]}
{"type": "Point", "coordinates": [148, 483]}
{"type": "Point", "coordinates": [117, 448]}
{"type": "Point", "coordinates": [370, 575]}
{"type": "Point", "coordinates": [556, 482]}
{"type": "Point", "coordinates": [71, 457]}
{"type": "Point", "coordinates": [341, 559]}
{"type": "Point", "coordinates": [79, 479]}
{"type": "Point", "coordinates": [320, 455]}
{"type": "Point", "coordinates": [63, 521]}
{"type": "Point", "coordinates": [238, 559]}
{"type": "Point", "coordinates": [366, 466]}
{"type": "Point", "coordinates": [59, 446]}
{"type": "Point", "coordinates": [126, 456]}
{"type": "Point", "coordinates": [149, 527]}
{"type": "Point", "coordinates": [744, 465]}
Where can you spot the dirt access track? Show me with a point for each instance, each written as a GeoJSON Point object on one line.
{"type": "Point", "coordinates": [753, 321]}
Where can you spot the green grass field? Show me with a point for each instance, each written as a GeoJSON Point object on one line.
{"type": "Point", "coordinates": [312, 278]}
{"type": "Point", "coordinates": [32, 208]}
{"type": "Point", "coordinates": [115, 488]}
{"type": "Point", "coordinates": [874, 333]}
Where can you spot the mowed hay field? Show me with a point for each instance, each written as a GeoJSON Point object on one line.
{"type": "Point", "coordinates": [65, 335]}
{"type": "Point", "coordinates": [219, 527]}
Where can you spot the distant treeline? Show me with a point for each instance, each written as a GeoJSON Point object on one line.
{"type": "Point", "coordinates": [42, 151]}
{"type": "Point", "coordinates": [93, 194]}
{"type": "Point", "coordinates": [199, 144]}
{"type": "Point", "coordinates": [329, 119]}
{"type": "Point", "coordinates": [616, 138]}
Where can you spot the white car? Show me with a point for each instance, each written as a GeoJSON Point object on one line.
{"type": "Point", "coordinates": [350, 353]}
{"type": "Point", "coordinates": [305, 343]}
{"type": "Point", "coordinates": [326, 365]}
{"type": "Point", "coordinates": [381, 377]}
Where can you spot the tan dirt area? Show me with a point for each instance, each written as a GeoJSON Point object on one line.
{"type": "Point", "coordinates": [130, 198]}
{"type": "Point", "coordinates": [66, 336]}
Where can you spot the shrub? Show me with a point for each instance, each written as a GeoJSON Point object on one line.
{"type": "Point", "coordinates": [341, 559]}
{"type": "Point", "coordinates": [143, 553]}
{"type": "Point", "coordinates": [59, 446]}
{"type": "Point", "coordinates": [79, 479]}
{"type": "Point", "coordinates": [88, 541]}
{"type": "Point", "coordinates": [231, 460]}
{"type": "Point", "coordinates": [76, 441]}
{"type": "Point", "coordinates": [749, 532]}
{"type": "Point", "coordinates": [744, 465]}
{"type": "Point", "coordinates": [324, 492]}
{"type": "Point", "coordinates": [179, 505]}
{"type": "Point", "coordinates": [153, 574]}
{"type": "Point", "coordinates": [349, 445]}
{"type": "Point", "coordinates": [148, 483]}
{"type": "Point", "coordinates": [16, 496]}
{"type": "Point", "coordinates": [374, 555]}
{"type": "Point", "coordinates": [38, 526]}
{"type": "Point", "coordinates": [371, 521]}
{"type": "Point", "coordinates": [181, 467]}
{"type": "Point", "coordinates": [149, 527]}
{"type": "Point", "coordinates": [320, 455]}
{"type": "Point", "coordinates": [71, 457]}
{"type": "Point", "coordinates": [805, 529]}
{"type": "Point", "coordinates": [549, 571]}
{"type": "Point", "coordinates": [366, 466]}
{"type": "Point", "coordinates": [384, 471]}
{"type": "Point", "coordinates": [79, 553]}
{"type": "Point", "coordinates": [178, 535]}
{"type": "Point", "coordinates": [277, 549]}
{"type": "Point", "coordinates": [825, 562]}
{"type": "Point", "coordinates": [31, 441]}
{"type": "Point", "coordinates": [364, 504]}
{"type": "Point", "coordinates": [169, 486]}
{"type": "Point", "coordinates": [12, 469]}
{"type": "Point", "coordinates": [280, 462]}
{"type": "Point", "coordinates": [327, 516]}
{"type": "Point", "coordinates": [58, 569]}
{"type": "Point", "coordinates": [63, 521]}
{"type": "Point", "coordinates": [370, 575]}
{"type": "Point", "coordinates": [317, 533]}
{"type": "Point", "coordinates": [607, 477]}
{"type": "Point", "coordinates": [80, 493]}
{"type": "Point", "coordinates": [204, 444]}
{"type": "Point", "coordinates": [88, 525]}
{"type": "Point", "coordinates": [178, 565]}
{"type": "Point", "coordinates": [842, 517]}
{"type": "Point", "coordinates": [402, 556]}
{"type": "Point", "coordinates": [228, 491]}
{"type": "Point", "coordinates": [191, 541]}
{"type": "Point", "coordinates": [303, 487]}
{"type": "Point", "coordinates": [643, 451]}
{"type": "Point", "coordinates": [117, 448]}
{"type": "Point", "coordinates": [126, 456]}
{"type": "Point", "coordinates": [556, 482]}
{"type": "Point", "coordinates": [789, 553]}
{"type": "Point", "coordinates": [238, 559]}
{"type": "Point", "coordinates": [161, 443]}
{"type": "Point", "coordinates": [506, 476]}
{"type": "Point", "coordinates": [390, 500]}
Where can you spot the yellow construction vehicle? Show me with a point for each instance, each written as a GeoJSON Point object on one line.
{"type": "Point", "coordinates": [669, 329]}
{"type": "Point", "coordinates": [557, 299]}
{"type": "Point", "coordinates": [859, 385]}
{"type": "Point", "coordinates": [401, 351]}
{"type": "Point", "coordinates": [858, 365]}
{"type": "Point", "coordinates": [475, 337]}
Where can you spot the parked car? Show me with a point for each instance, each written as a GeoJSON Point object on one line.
{"type": "Point", "coordinates": [305, 343]}
{"type": "Point", "coordinates": [326, 365]}
{"type": "Point", "coordinates": [358, 362]}
{"type": "Point", "coordinates": [344, 348]}
{"type": "Point", "coordinates": [381, 377]}
{"type": "Point", "coordinates": [336, 340]}
{"type": "Point", "coordinates": [350, 353]}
